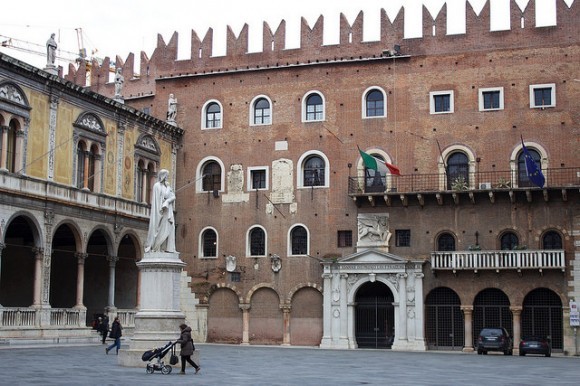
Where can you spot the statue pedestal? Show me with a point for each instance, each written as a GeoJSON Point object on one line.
{"type": "Point", "coordinates": [159, 316]}
{"type": "Point", "coordinates": [51, 69]}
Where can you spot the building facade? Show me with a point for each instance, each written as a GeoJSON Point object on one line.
{"type": "Point", "coordinates": [76, 170]}
{"type": "Point", "coordinates": [291, 238]}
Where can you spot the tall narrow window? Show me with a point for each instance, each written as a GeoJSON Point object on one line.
{"type": "Point", "coordinates": [446, 242]}
{"type": "Point", "coordinates": [509, 241]}
{"type": "Point", "coordinates": [213, 116]}
{"type": "Point", "coordinates": [375, 181]}
{"type": "Point", "coordinates": [523, 179]}
{"type": "Point", "coordinates": [299, 241]}
{"type": "Point", "coordinates": [552, 240]}
{"type": "Point", "coordinates": [457, 171]}
{"type": "Point", "coordinates": [11, 146]}
{"type": "Point", "coordinates": [212, 176]}
{"type": "Point", "coordinates": [314, 171]}
{"type": "Point", "coordinates": [209, 240]}
{"type": "Point", "coordinates": [314, 108]}
{"type": "Point", "coordinates": [262, 112]}
{"type": "Point", "coordinates": [375, 104]}
{"type": "Point", "coordinates": [81, 156]}
{"type": "Point", "coordinates": [344, 239]}
{"type": "Point", "coordinates": [257, 242]}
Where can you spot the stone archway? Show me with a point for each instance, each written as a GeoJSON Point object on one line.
{"type": "Point", "coordinates": [374, 316]}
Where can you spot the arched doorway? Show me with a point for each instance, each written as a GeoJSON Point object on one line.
{"type": "Point", "coordinates": [491, 308]}
{"type": "Point", "coordinates": [64, 268]}
{"type": "Point", "coordinates": [542, 316]}
{"type": "Point", "coordinates": [374, 316]}
{"type": "Point", "coordinates": [444, 326]}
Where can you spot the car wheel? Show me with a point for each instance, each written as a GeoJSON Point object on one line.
{"type": "Point", "coordinates": [548, 354]}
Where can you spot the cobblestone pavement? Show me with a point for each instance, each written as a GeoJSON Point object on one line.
{"type": "Point", "coordinates": [268, 365]}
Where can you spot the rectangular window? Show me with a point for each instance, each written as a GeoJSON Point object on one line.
{"type": "Point", "coordinates": [441, 102]}
{"type": "Point", "coordinates": [257, 178]}
{"type": "Point", "coordinates": [403, 237]}
{"type": "Point", "coordinates": [542, 95]}
{"type": "Point", "coordinates": [344, 239]}
{"type": "Point", "coordinates": [235, 277]}
{"type": "Point", "coordinates": [491, 99]}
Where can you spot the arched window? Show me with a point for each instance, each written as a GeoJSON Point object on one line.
{"type": "Point", "coordinates": [375, 181]}
{"type": "Point", "coordinates": [314, 108]}
{"type": "Point", "coordinates": [13, 127]}
{"type": "Point", "coordinates": [213, 116]}
{"type": "Point", "coordinates": [262, 112]}
{"type": "Point", "coordinates": [509, 241]}
{"type": "Point", "coordinates": [212, 176]}
{"type": "Point", "coordinates": [299, 241]}
{"type": "Point", "coordinates": [446, 242]}
{"type": "Point", "coordinates": [147, 159]}
{"type": "Point", "coordinates": [523, 180]}
{"type": "Point", "coordinates": [314, 171]}
{"type": "Point", "coordinates": [257, 242]}
{"type": "Point", "coordinates": [457, 171]}
{"type": "Point", "coordinates": [209, 243]}
{"type": "Point", "coordinates": [81, 157]}
{"type": "Point", "coordinates": [552, 240]}
{"type": "Point", "coordinates": [375, 104]}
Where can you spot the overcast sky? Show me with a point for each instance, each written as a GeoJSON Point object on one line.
{"type": "Point", "coordinates": [118, 27]}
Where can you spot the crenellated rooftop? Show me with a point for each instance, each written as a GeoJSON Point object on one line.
{"type": "Point", "coordinates": [164, 62]}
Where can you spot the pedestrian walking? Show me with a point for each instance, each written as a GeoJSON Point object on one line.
{"type": "Point", "coordinates": [116, 333]}
{"type": "Point", "coordinates": [187, 348]}
{"type": "Point", "coordinates": [103, 328]}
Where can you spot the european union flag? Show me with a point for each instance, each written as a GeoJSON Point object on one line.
{"type": "Point", "coordinates": [534, 173]}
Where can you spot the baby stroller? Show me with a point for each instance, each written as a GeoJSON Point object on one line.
{"type": "Point", "coordinates": [159, 353]}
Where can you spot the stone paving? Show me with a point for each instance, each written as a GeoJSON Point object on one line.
{"type": "Point", "coordinates": [272, 366]}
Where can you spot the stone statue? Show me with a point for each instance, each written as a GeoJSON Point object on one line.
{"type": "Point", "coordinates": [171, 108]}
{"type": "Point", "coordinates": [119, 81]}
{"type": "Point", "coordinates": [51, 51]}
{"type": "Point", "coordinates": [161, 235]}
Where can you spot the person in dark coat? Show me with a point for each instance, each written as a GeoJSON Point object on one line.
{"type": "Point", "coordinates": [116, 333]}
{"type": "Point", "coordinates": [103, 327]}
{"type": "Point", "coordinates": [187, 348]}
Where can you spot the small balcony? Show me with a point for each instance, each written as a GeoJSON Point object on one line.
{"type": "Point", "coordinates": [389, 187]}
{"type": "Point", "coordinates": [519, 260]}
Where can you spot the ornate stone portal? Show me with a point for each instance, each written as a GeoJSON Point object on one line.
{"type": "Point", "coordinates": [342, 280]}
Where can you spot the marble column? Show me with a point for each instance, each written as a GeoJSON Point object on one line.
{"type": "Point", "coordinates": [517, 324]}
{"type": "Point", "coordinates": [467, 328]}
{"type": "Point", "coordinates": [419, 309]}
{"type": "Point", "coordinates": [245, 323]}
{"type": "Point", "coordinates": [38, 255]}
{"type": "Point", "coordinates": [402, 306]}
{"type": "Point", "coordinates": [286, 333]}
{"type": "Point", "coordinates": [81, 257]}
{"type": "Point", "coordinates": [112, 263]}
{"type": "Point", "coordinates": [343, 311]}
{"type": "Point", "coordinates": [326, 311]}
{"type": "Point", "coordinates": [18, 152]}
{"type": "Point", "coordinates": [86, 171]}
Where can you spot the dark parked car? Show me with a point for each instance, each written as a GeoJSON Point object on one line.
{"type": "Point", "coordinates": [494, 339]}
{"type": "Point", "coordinates": [535, 345]}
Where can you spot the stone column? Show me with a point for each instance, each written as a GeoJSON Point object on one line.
{"type": "Point", "coordinates": [38, 255]}
{"type": "Point", "coordinates": [144, 185]}
{"type": "Point", "coordinates": [343, 312]}
{"type": "Point", "coordinates": [86, 170]}
{"type": "Point", "coordinates": [81, 257]}
{"type": "Point", "coordinates": [326, 311]}
{"type": "Point", "coordinates": [18, 150]}
{"type": "Point", "coordinates": [245, 323]}
{"type": "Point", "coordinates": [419, 312]}
{"type": "Point", "coordinates": [517, 324]}
{"type": "Point", "coordinates": [467, 328]}
{"type": "Point", "coordinates": [1, 248]}
{"type": "Point", "coordinates": [286, 335]}
{"type": "Point", "coordinates": [402, 306]}
{"type": "Point", "coordinates": [4, 155]}
{"type": "Point", "coordinates": [54, 101]}
{"type": "Point", "coordinates": [112, 263]}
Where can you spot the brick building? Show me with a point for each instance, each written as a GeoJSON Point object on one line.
{"type": "Point", "coordinates": [289, 238]}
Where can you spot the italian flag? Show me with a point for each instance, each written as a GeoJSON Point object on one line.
{"type": "Point", "coordinates": [378, 165]}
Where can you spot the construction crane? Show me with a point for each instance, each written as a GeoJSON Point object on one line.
{"type": "Point", "coordinates": [34, 48]}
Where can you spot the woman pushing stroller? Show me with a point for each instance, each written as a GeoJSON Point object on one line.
{"type": "Point", "coordinates": [187, 348]}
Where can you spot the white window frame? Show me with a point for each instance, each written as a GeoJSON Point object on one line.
{"type": "Point", "coordinates": [204, 115]}
{"type": "Point", "coordinates": [304, 98]}
{"type": "Point", "coordinates": [200, 244]}
{"type": "Point", "coordinates": [252, 114]}
{"type": "Point", "coordinates": [491, 89]}
{"type": "Point", "coordinates": [289, 240]}
{"type": "Point", "coordinates": [248, 241]}
{"type": "Point", "coordinates": [533, 87]}
{"type": "Point", "coordinates": [249, 179]}
{"type": "Point", "coordinates": [432, 96]}
{"type": "Point", "coordinates": [364, 103]}
{"type": "Point", "coordinates": [300, 171]}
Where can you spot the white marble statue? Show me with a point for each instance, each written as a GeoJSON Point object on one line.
{"type": "Point", "coordinates": [171, 108]}
{"type": "Point", "coordinates": [119, 81]}
{"type": "Point", "coordinates": [51, 51]}
{"type": "Point", "coordinates": [161, 235]}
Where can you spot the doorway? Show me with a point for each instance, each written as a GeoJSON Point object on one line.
{"type": "Point", "coordinates": [374, 316]}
